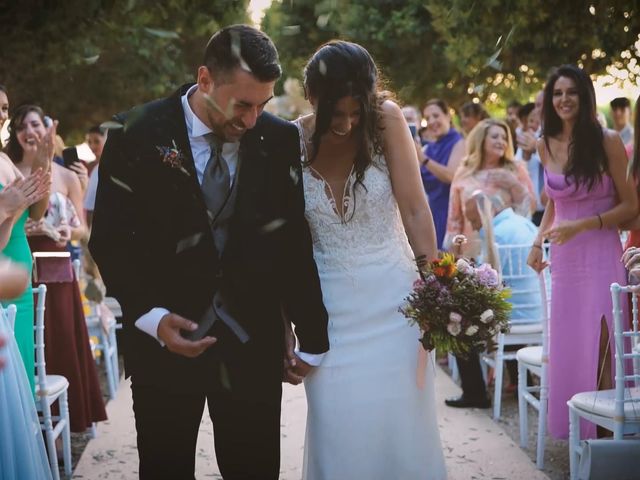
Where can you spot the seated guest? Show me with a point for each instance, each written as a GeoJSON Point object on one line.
{"type": "Point", "coordinates": [496, 225]}
{"type": "Point", "coordinates": [488, 165]}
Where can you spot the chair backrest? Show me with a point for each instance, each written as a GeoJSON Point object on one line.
{"type": "Point", "coordinates": [523, 282]}
{"type": "Point", "coordinates": [41, 371]}
{"type": "Point", "coordinates": [620, 334]}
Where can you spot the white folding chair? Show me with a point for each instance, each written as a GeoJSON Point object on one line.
{"type": "Point", "coordinates": [617, 410]}
{"type": "Point", "coordinates": [526, 328]}
{"type": "Point", "coordinates": [51, 389]}
{"type": "Point", "coordinates": [107, 345]}
{"type": "Point", "coordinates": [535, 359]}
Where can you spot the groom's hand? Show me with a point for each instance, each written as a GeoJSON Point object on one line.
{"type": "Point", "coordinates": [296, 370]}
{"type": "Point", "coordinates": [169, 332]}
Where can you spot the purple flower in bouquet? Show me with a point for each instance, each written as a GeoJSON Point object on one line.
{"type": "Point", "coordinates": [455, 317]}
{"type": "Point", "coordinates": [418, 283]}
{"type": "Point", "coordinates": [487, 276]}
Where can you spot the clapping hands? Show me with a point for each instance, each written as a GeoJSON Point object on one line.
{"type": "Point", "coordinates": [631, 260]}
{"type": "Point", "coordinates": [24, 192]}
{"type": "Point", "coordinates": [46, 149]}
{"type": "Point", "coordinates": [40, 227]}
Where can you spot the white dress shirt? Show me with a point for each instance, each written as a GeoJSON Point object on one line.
{"type": "Point", "coordinates": [201, 151]}
{"type": "Point", "coordinates": [92, 188]}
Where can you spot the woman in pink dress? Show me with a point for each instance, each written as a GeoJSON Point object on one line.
{"type": "Point", "coordinates": [589, 196]}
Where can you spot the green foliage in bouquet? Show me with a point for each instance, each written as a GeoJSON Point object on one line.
{"type": "Point", "coordinates": [459, 307]}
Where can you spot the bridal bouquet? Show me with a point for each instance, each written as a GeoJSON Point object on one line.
{"type": "Point", "coordinates": [458, 306]}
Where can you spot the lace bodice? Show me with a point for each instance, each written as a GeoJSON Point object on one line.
{"type": "Point", "coordinates": [365, 229]}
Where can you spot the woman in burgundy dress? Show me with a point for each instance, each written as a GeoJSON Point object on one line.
{"type": "Point", "coordinates": [67, 348]}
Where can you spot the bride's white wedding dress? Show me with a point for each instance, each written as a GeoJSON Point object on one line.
{"type": "Point", "coordinates": [367, 418]}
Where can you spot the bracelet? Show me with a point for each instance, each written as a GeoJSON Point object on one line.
{"type": "Point", "coordinates": [600, 220]}
{"type": "Point", "coordinates": [421, 261]}
{"type": "Point", "coordinates": [535, 245]}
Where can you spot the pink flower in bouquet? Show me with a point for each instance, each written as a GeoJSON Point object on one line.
{"type": "Point", "coordinates": [454, 328]}
{"type": "Point", "coordinates": [455, 317]}
{"type": "Point", "coordinates": [464, 267]}
{"type": "Point", "coordinates": [486, 275]}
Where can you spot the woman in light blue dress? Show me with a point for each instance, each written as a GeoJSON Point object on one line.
{"type": "Point", "coordinates": [22, 452]}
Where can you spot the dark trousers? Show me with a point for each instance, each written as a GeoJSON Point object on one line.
{"type": "Point", "coordinates": [246, 430]}
{"type": "Point", "coordinates": [473, 387]}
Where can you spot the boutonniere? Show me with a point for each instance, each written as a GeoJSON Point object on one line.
{"type": "Point", "coordinates": [172, 156]}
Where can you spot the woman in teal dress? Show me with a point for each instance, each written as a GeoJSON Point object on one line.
{"type": "Point", "coordinates": [17, 249]}
{"type": "Point", "coordinates": [22, 198]}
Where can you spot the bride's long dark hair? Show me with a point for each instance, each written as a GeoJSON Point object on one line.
{"type": "Point", "coordinates": [341, 69]}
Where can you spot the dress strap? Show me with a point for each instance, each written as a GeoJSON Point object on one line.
{"type": "Point", "coordinates": [303, 141]}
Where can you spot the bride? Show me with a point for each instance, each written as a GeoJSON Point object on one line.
{"type": "Point", "coordinates": [371, 409]}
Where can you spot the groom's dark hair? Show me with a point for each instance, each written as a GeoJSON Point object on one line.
{"type": "Point", "coordinates": [242, 46]}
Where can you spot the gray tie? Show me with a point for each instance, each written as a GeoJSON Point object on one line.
{"type": "Point", "coordinates": [216, 190]}
{"type": "Point", "coordinates": [216, 181]}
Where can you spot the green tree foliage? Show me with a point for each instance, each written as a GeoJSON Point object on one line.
{"type": "Point", "coordinates": [84, 60]}
{"type": "Point", "coordinates": [462, 49]}
{"type": "Point", "coordinates": [297, 27]}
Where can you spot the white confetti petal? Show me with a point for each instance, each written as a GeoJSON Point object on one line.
{"type": "Point", "coordinates": [188, 242]}
{"type": "Point", "coordinates": [273, 225]}
{"type": "Point", "coordinates": [121, 184]}
{"type": "Point", "coordinates": [295, 177]}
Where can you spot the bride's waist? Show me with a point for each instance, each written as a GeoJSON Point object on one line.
{"type": "Point", "coordinates": [359, 255]}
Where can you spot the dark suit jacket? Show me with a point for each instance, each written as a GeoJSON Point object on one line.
{"type": "Point", "coordinates": [152, 242]}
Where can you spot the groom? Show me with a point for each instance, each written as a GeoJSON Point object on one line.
{"type": "Point", "coordinates": [199, 232]}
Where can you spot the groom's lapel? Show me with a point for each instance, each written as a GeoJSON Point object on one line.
{"type": "Point", "coordinates": [178, 132]}
{"type": "Point", "coordinates": [253, 166]}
